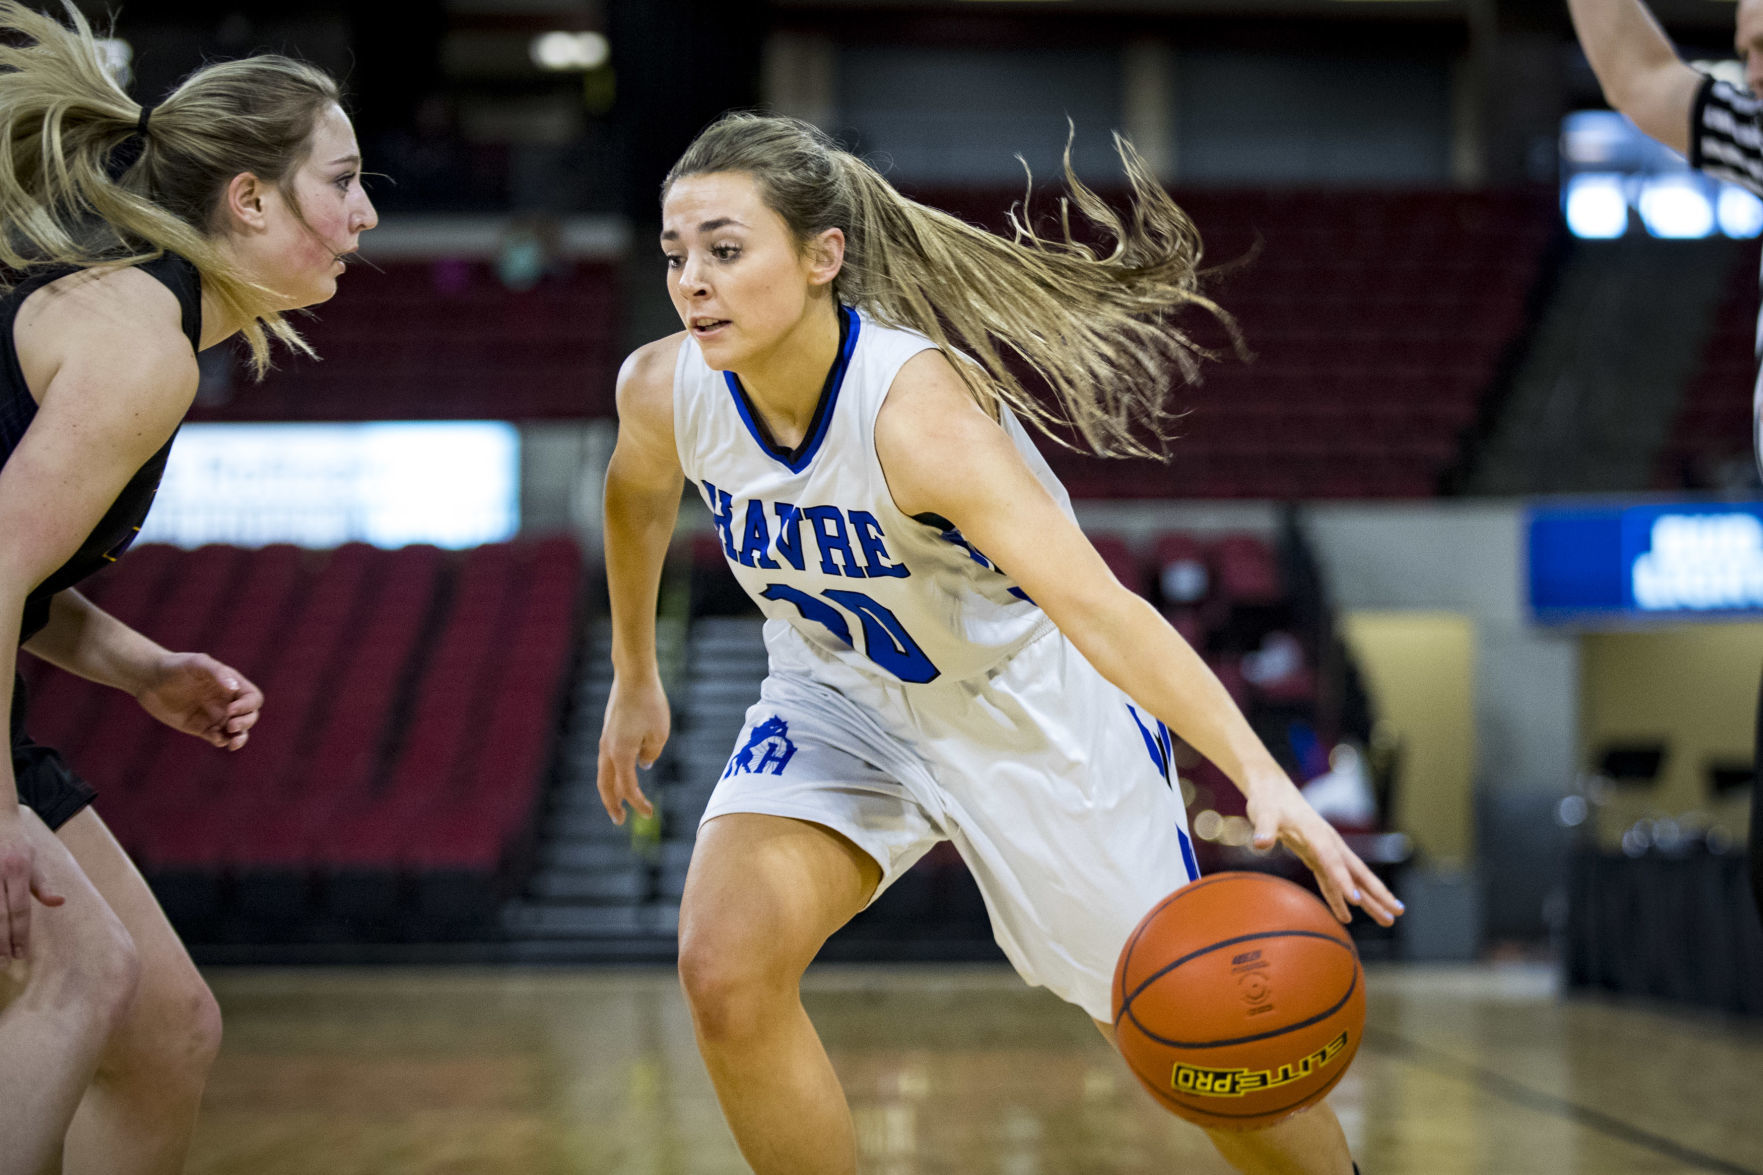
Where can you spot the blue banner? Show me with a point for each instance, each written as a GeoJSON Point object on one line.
{"type": "Point", "coordinates": [1638, 562]}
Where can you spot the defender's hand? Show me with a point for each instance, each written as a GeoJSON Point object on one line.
{"type": "Point", "coordinates": [196, 694]}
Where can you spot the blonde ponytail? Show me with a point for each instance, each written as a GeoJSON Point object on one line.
{"type": "Point", "coordinates": [64, 123]}
{"type": "Point", "coordinates": [1098, 328]}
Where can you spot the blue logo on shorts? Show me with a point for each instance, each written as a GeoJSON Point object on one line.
{"type": "Point", "coordinates": [768, 749]}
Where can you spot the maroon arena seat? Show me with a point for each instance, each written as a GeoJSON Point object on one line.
{"type": "Point", "coordinates": [445, 339]}
{"type": "Point", "coordinates": [1376, 323]}
{"type": "Point", "coordinates": [412, 700]}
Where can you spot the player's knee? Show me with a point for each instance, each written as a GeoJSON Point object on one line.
{"type": "Point", "coordinates": [171, 1041]}
{"type": "Point", "coordinates": [732, 994]}
{"type": "Point", "coordinates": [200, 1034]}
{"type": "Point", "coordinates": [191, 1041]}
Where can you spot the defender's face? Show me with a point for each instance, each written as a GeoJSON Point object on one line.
{"type": "Point", "coordinates": [737, 279]}
{"type": "Point", "coordinates": [299, 254]}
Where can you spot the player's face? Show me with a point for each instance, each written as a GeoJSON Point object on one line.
{"type": "Point", "coordinates": [299, 254]}
{"type": "Point", "coordinates": [1749, 42]}
{"type": "Point", "coordinates": [737, 278]}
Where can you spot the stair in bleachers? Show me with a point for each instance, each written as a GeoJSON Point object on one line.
{"type": "Point", "coordinates": [1710, 440]}
{"type": "Point", "coordinates": [616, 891]}
{"type": "Point", "coordinates": [726, 662]}
{"type": "Point", "coordinates": [1592, 401]}
{"type": "Point", "coordinates": [595, 886]}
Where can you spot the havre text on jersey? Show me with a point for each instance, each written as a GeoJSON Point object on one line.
{"type": "Point", "coordinates": [847, 543]}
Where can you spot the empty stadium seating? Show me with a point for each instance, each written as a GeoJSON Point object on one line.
{"type": "Point", "coordinates": [1376, 323]}
{"type": "Point", "coordinates": [438, 340]}
{"type": "Point", "coordinates": [410, 718]}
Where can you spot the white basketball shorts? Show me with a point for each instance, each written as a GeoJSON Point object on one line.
{"type": "Point", "coordinates": [1057, 791]}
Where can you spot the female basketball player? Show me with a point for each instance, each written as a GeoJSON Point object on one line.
{"type": "Point", "coordinates": [950, 658]}
{"type": "Point", "coordinates": [140, 235]}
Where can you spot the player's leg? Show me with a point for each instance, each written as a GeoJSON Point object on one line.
{"type": "Point", "coordinates": [58, 1009]}
{"type": "Point", "coordinates": [1309, 1143]}
{"type": "Point", "coordinates": [761, 896]}
{"type": "Point", "coordinates": [139, 1113]}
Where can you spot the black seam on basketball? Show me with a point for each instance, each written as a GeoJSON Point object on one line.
{"type": "Point", "coordinates": [1229, 942]}
{"type": "Point", "coordinates": [1210, 1044]}
{"type": "Point", "coordinates": [1132, 942]}
{"type": "Point", "coordinates": [1145, 922]}
{"type": "Point", "coordinates": [1197, 883]}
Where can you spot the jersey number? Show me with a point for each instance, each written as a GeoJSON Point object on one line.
{"type": "Point", "coordinates": [885, 639]}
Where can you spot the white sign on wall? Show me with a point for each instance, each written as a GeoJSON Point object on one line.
{"type": "Point", "coordinates": [453, 484]}
{"type": "Point", "coordinates": [1701, 562]}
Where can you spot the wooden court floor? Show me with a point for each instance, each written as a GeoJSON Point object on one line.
{"type": "Point", "coordinates": [1468, 1071]}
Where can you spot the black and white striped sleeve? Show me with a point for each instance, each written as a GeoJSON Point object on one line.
{"type": "Point", "coordinates": [1725, 139]}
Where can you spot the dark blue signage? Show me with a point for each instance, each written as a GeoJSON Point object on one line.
{"type": "Point", "coordinates": [1639, 562]}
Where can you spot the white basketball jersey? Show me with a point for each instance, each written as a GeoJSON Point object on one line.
{"type": "Point", "coordinates": [814, 536]}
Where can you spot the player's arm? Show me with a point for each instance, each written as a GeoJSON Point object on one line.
{"type": "Point", "coordinates": [942, 454]}
{"type": "Point", "coordinates": [643, 484]}
{"type": "Point", "coordinates": [109, 405]}
{"type": "Point", "coordinates": [87, 641]}
{"type": "Point", "coordinates": [1639, 70]}
{"type": "Point", "coordinates": [191, 692]}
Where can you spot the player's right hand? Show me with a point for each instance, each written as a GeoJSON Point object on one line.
{"type": "Point", "coordinates": [21, 879]}
{"type": "Point", "coordinates": [635, 730]}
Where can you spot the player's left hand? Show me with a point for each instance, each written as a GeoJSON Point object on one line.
{"type": "Point", "coordinates": [1280, 813]}
{"type": "Point", "coordinates": [196, 694]}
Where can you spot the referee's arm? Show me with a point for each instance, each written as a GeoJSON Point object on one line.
{"type": "Point", "coordinates": [1640, 72]}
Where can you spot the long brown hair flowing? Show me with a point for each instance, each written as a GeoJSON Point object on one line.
{"type": "Point", "coordinates": [1096, 326]}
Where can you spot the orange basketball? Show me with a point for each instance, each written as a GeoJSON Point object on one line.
{"type": "Point", "coordinates": [1239, 1000]}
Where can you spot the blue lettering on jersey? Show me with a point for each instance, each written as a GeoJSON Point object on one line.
{"type": "Point", "coordinates": [818, 611]}
{"type": "Point", "coordinates": [874, 544]}
{"type": "Point", "coordinates": [828, 523]}
{"type": "Point", "coordinates": [722, 512]}
{"type": "Point", "coordinates": [885, 639]}
{"type": "Point", "coordinates": [758, 538]}
{"type": "Point", "coordinates": [768, 748]}
{"type": "Point", "coordinates": [789, 533]}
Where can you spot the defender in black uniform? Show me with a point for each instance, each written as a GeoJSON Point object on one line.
{"type": "Point", "coordinates": [1719, 128]}
{"type": "Point", "coordinates": [155, 233]}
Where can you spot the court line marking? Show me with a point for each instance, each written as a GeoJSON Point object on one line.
{"type": "Point", "coordinates": [1438, 1061]}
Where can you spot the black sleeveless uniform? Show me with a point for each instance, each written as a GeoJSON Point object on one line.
{"type": "Point", "coordinates": [46, 784]}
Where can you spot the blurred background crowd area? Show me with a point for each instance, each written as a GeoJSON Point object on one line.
{"type": "Point", "coordinates": [1473, 534]}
